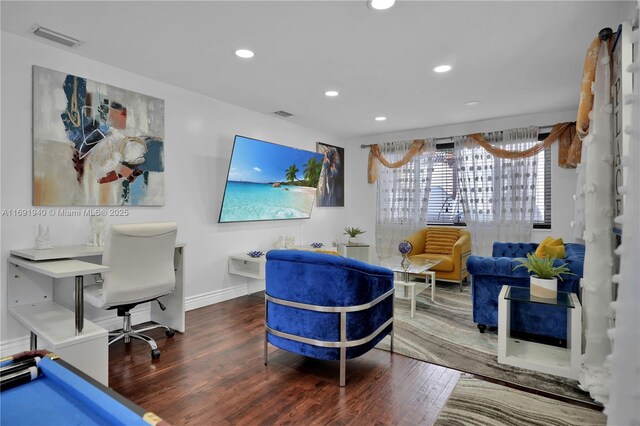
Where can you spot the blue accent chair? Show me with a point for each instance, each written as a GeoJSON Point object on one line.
{"type": "Point", "coordinates": [489, 274]}
{"type": "Point", "coordinates": [326, 306]}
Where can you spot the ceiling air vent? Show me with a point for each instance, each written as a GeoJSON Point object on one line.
{"type": "Point", "coordinates": [284, 114]}
{"type": "Point", "coordinates": [56, 36]}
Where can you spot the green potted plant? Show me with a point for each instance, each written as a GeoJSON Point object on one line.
{"type": "Point", "coordinates": [353, 233]}
{"type": "Point", "coordinates": [544, 278]}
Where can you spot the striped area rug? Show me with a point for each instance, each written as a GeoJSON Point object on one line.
{"type": "Point", "coordinates": [476, 402]}
{"type": "Point", "coordinates": [443, 333]}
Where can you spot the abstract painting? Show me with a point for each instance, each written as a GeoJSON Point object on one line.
{"type": "Point", "coordinates": [95, 144]}
{"type": "Point", "coordinates": [331, 183]}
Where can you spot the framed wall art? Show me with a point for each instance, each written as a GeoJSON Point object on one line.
{"type": "Point", "coordinates": [331, 183]}
{"type": "Point", "coordinates": [95, 144]}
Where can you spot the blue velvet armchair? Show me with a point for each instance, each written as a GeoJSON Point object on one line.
{"type": "Point", "coordinates": [326, 306]}
{"type": "Point", "coordinates": [489, 274]}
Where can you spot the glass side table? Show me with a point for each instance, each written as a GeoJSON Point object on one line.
{"type": "Point", "coordinates": [548, 359]}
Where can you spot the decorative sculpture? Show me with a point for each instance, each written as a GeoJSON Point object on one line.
{"type": "Point", "coordinates": [279, 244]}
{"type": "Point", "coordinates": [96, 236]}
{"type": "Point", "coordinates": [289, 242]}
{"type": "Point", "coordinates": [405, 248]}
{"type": "Point", "coordinates": [43, 241]}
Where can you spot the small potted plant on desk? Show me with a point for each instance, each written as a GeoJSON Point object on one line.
{"type": "Point", "coordinates": [353, 233]}
{"type": "Point", "coordinates": [544, 278]}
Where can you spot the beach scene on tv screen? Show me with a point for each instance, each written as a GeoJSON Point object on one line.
{"type": "Point", "coordinates": [267, 181]}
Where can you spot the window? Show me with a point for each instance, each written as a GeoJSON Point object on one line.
{"type": "Point", "coordinates": [444, 201]}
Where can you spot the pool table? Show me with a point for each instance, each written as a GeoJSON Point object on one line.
{"type": "Point", "coordinates": [63, 395]}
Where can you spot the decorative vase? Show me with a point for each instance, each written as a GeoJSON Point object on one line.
{"type": "Point", "coordinates": [353, 240]}
{"type": "Point", "coordinates": [544, 288]}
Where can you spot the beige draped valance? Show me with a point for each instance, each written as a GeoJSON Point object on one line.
{"type": "Point", "coordinates": [557, 131]}
{"type": "Point", "coordinates": [564, 132]}
{"type": "Point", "coordinates": [416, 147]}
{"type": "Point", "coordinates": [586, 96]}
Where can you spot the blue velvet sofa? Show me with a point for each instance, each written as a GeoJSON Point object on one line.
{"type": "Point", "coordinates": [489, 274]}
{"type": "Point", "coordinates": [326, 306]}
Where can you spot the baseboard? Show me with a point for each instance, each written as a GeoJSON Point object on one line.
{"type": "Point", "coordinates": [13, 346]}
{"type": "Point", "coordinates": [216, 296]}
{"type": "Point", "coordinates": [255, 286]}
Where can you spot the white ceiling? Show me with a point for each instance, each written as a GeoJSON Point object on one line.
{"type": "Point", "coordinates": [514, 57]}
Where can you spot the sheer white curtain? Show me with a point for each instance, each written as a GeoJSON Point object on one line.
{"type": "Point", "coordinates": [497, 194]}
{"type": "Point", "coordinates": [403, 196]}
{"type": "Point", "coordinates": [598, 236]}
{"type": "Point", "coordinates": [577, 224]}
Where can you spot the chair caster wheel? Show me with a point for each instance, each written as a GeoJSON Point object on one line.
{"type": "Point", "coordinates": [170, 333]}
{"type": "Point", "coordinates": [155, 354]}
{"type": "Point", "coordinates": [482, 328]}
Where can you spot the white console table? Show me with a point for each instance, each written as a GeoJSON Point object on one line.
{"type": "Point", "coordinates": [355, 251]}
{"type": "Point", "coordinates": [247, 266]}
{"type": "Point", "coordinates": [254, 267]}
{"type": "Point", "coordinates": [83, 344]}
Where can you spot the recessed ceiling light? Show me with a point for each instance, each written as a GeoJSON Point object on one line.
{"type": "Point", "coordinates": [244, 53]}
{"type": "Point", "coordinates": [381, 4]}
{"type": "Point", "coordinates": [331, 93]}
{"type": "Point", "coordinates": [472, 103]}
{"type": "Point", "coordinates": [380, 118]}
{"type": "Point", "coordinates": [442, 68]}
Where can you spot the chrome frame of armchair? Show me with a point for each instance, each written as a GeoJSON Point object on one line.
{"type": "Point", "coordinates": [343, 344]}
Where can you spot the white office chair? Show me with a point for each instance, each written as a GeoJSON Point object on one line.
{"type": "Point", "coordinates": [141, 269]}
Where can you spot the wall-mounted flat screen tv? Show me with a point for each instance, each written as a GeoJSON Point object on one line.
{"type": "Point", "coordinates": [267, 181]}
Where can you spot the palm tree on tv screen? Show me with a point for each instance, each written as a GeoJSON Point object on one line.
{"type": "Point", "coordinates": [291, 173]}
{"type": "Point", "coordinates": [312, 170]}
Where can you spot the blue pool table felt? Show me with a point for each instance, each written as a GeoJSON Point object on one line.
{"type": "Point", "coordinates": [61, 397]}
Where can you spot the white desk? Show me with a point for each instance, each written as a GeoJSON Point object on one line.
{"type": "Point", "coordinates": [63, 268]}
{"type": "Point", "coordinates": [31, 274]}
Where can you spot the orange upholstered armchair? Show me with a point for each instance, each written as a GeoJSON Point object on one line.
{"type": "Point", "coordinates": [450, 245]}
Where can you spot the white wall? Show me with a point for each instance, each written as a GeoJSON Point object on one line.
{"type": "Point", "coordinates": [563, 181]}
{"type": "Point", "coordinates": [199, 135]}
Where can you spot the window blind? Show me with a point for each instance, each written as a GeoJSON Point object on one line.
{"type": "Point", "coordinates": [444, 199]}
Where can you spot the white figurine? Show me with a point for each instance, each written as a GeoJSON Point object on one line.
{"type": "Point", "coordinates": [279, 244]}
{"type": "Point", "coordinates": [96, 237]}
{"type": "Point", "coordinates": [289, 242]}
{"type": "Point", "coordinates": [43, 241]}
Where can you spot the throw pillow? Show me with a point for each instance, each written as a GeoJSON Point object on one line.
{"type": "Point", "coordinates": [328, 252]}
{"type": "Point", "coordinates": [441, 241]}
{"type": "Point", "coordinates": [551, 247]}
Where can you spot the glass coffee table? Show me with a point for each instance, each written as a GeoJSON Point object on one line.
{"type": "Point", "coordinates": [403, 277]}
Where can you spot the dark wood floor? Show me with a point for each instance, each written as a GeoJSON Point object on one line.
{"type": "Point", "coordinates": [214, 374]}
